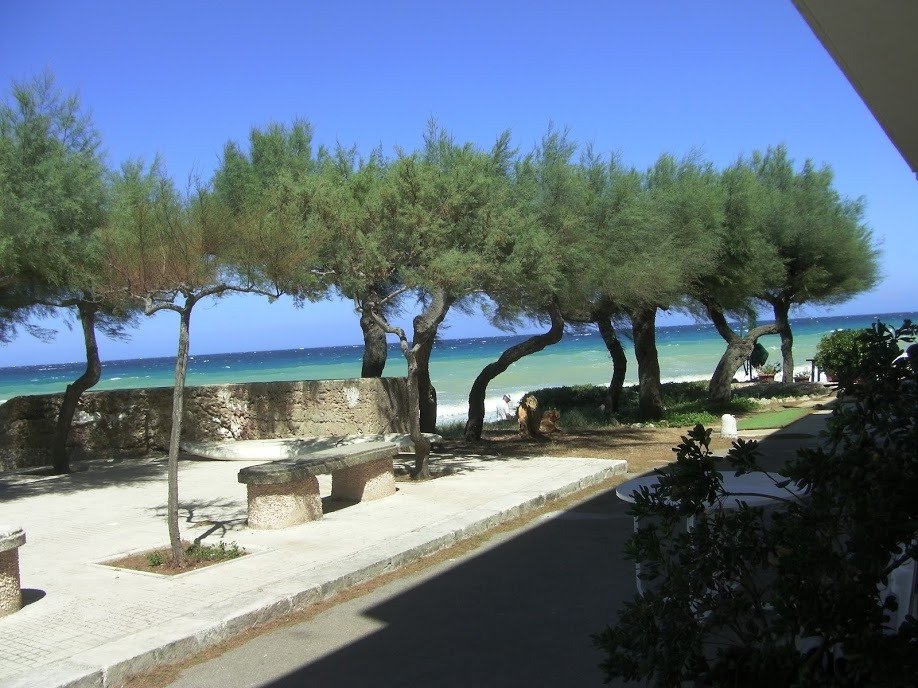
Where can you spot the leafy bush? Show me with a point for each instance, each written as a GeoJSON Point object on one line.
{"type": "Point", "coordinates": [686, 404]}
{"type": "Point", "coordinates": [839, 354]}
{"type": "Point", "coordinates": [791, 597]}
{"type": "Point", "coordinates": [568, 398]}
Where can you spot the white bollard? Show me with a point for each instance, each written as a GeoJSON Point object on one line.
{"type": "Point", "coordinates": [728, 426]}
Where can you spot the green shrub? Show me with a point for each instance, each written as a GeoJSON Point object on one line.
{"type": "Point", "coordinates": [793, 598]}
{"type": "Point", "coordinates": [839, 353]}
{"type": "Point", "coordinates": [567, 398]}
{"type": "Point", "coordinates": [686, 404]}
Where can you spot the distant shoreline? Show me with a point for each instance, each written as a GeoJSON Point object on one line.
{"type": "Point", "coordinates": [686, 352]}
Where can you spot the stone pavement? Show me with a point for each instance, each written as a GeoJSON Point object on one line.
{"type": "Point", "coordinates": [86, 624]}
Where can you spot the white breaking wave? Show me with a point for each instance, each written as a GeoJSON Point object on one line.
{"type": "Point", "coordinates": [454, 413]}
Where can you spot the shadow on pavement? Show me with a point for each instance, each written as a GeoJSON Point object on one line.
{"type": "Point", "coordinates": [89, 476]}
{"type": "Point", "coordinates": [520, 614]}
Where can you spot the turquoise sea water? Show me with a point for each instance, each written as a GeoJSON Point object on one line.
{"type": "Point", "coordinates": [687, 352]}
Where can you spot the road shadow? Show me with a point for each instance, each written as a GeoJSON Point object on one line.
{"type": "Point", "coordinates": [520, 614]}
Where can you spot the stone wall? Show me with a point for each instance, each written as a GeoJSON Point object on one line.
{"type": "Point", "coordinates": [136, 422]}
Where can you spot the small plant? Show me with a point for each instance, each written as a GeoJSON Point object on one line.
{"type": "Point", "coordinates": [155, 559]}
{"type": "Point", "coordinates": [219, 552]}
{"type": "Point", "coordinates": [769, 369]}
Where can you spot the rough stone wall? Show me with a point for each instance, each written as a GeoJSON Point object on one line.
{"type": "Point", "coordinates": [136, 422]}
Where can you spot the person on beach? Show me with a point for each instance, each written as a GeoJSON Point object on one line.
{"type": "Point", "coordinates": [503, 409]}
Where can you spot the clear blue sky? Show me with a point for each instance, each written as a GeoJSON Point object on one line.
{"type": "Point", "coordinates": [181, 78]}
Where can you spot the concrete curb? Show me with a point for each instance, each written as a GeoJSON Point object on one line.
{"type": "Point", "coordinates": [106, 665]}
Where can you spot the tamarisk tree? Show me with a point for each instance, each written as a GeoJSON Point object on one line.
{"type": "Point", "coordinates": [670, 232]}
{"type": "Point", "coordinates": [826, 252]}
{"type": "Point", "coordinates": [169, 252]}
{"type": "Point", "coordinates": [538, 278]}
{"type": "Point", "coordinates": [53, 199]}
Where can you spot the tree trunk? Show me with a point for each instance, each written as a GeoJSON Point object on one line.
{"type": "Point", "coordinates": [782, 319]}
{"type": "Point", "coordinates": [421, 443]}
{"type": "Point", "coordinates": [619, 362]}
{"type": "Point", "coordinates": [60, 461]}
{"type": "Point", "coordinates": [475, 422]}
{"type": "Point", "coordinates": [375, 349]}
{"type": "Point", "coordinates": [720, 388]}
{"type": "Point", "coordinates": [644, 329]}
{"type": "Point", "coordinates": [181, 367]}
{"type": "Point", "coordinates": [425, 334]}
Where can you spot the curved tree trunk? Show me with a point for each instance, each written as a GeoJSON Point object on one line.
{"type": "Point", "coordinates": [475, 422]}
{"type": "Point", "coordinates": [181, 367]}
{"type": "Point", "coordinates": [60, 461]}
{"type": "Point", "coordinates": [375, 349]}
{"type": "Point", "coordinates": [782, 319]}
{"type": "Point", "coordinates": [619, 362]}
{"type": "Point", "coordinates": [425, 334]}
{"type": "Point", "coordinates": [720, 388]}
{"type": "Point", "coordinates": [644, 329]}
{"type": "Point", "coordinates": [421, 443]}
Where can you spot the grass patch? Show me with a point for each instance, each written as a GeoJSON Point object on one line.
{"type": "Point", "coordinates": [772, 419]}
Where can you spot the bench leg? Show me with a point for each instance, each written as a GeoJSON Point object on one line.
{"type": "Point", "coordinates": [10, 594]}
{"type": "Point", "coordinates": [284, 504]}
{"type": "Point", "coordinates": [364, 482]}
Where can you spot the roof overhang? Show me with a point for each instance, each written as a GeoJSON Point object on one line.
{"type": "Point", "coordinates": [875, 43]}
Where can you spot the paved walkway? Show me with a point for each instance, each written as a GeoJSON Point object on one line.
{"type": "Point", "coordinates": [87, 624]}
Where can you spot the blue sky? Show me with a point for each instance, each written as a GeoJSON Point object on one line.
{"type": "Point", "coordinates": [181, 78]}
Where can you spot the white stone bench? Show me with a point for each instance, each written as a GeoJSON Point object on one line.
{"type": "Point", "coordinates": [286, 492]}
{"type": "Point", "coordinates": [11, 539]}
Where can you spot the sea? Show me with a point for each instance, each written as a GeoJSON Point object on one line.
{"type": "Point", "coordinates": [686, 352]}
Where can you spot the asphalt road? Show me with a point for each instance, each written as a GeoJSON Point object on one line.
{"type": "Point", "coordinates": [517, 612]}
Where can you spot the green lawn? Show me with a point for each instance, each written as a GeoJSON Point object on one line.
{"type": "Point", "coordinates": [771, 419]}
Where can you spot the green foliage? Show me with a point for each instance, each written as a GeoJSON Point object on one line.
{"type": "Point", "coordinates": [769, 369]}
{"type": "Point", "coordinates": [802, 215]}
{"type": "Point", "coordinates": [686, 404]}
{"type": "Point", "coordinates": [196, 553]}
{"type": "Point", "coordinates": [776, 390]}
{"type": "Point", "coordinates": [839, 353]}
{"type": "Point", "coordinates": [52, 199]}
{"type": "Point", "coordinates": [753, 598]}
{"type": "Point", "coordinates": [219, 552]}
{"type": "Point", "coordinates": [155, 559]}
